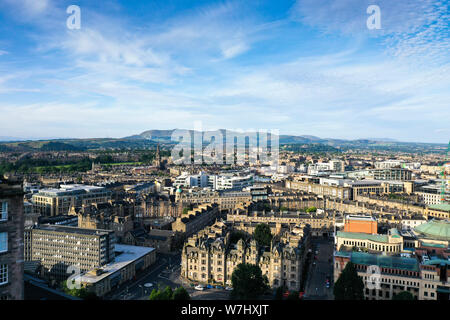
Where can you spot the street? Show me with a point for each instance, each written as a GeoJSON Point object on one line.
{"type": "Point", "coordinates": [160, 274]}
{"type": "Point", "coordinates": [316, 281]}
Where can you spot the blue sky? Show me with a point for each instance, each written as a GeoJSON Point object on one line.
{"type": "Point", "coordinates": [302, 67]}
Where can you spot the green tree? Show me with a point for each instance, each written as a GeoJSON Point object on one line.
{"type": "Point", "coordinates": [262, 234]}
{"type": "Point", "coordinates": [248, 282]}
{"type": "Point", "coordinates": [349, 286]}
{"type": "Point", "coordinates": [404, 295]}
{"type": "Point", "coordinates": [284, 209]}
{"type": "Point", "coordinates": [311, 209]}
{"type": "Point", "coordinates": [158, 294]}
{"type": "Point", "coordinates": [180, 293]}
{"type": "Point", "coordinates": [155, 295]}
{"type": "Point", "coordinates": [167, 293]}
{"type": "Point", "coordinates": [237, 235]}
{"type": "Point", "coordinates": [82, 293]}
{"type": "Point", "coordinates": [185, 210]}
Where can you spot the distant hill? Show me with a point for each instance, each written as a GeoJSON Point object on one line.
{"type": "Point", "coordinates": [149, 139]}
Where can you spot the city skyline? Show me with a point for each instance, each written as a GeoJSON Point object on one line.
{"type": "Point", "coordinates": [303, 67]}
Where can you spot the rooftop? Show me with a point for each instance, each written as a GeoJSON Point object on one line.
{"type": "Point", "coordinates": [125, 255]}
{"type": "Point", "coordinates": [68, 229]}
{"type": "Point", "coordinates": [363, 236]}
{"type": "Point", "coordinates": [435, 229]}
{"type": "Point", "coordinates": [440, 206]}
{"type": "Point", "coordinates": [393, 262]}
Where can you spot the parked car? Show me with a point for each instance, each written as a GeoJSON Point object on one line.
{"type": "Point", "coordinates": [209, 286]}
{"type": "Point", "coordinates": [219, 287]}
{"type": "Point", "coordinates": [229, 288]}
{"type": "Point", "coordinates": [200, 287]}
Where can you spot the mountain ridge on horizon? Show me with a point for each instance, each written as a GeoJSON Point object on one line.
{"type": "Point", "coordinates": [164, 135]}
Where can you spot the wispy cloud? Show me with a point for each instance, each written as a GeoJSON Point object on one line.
{"type": "Point", "coordinates": [229, 65]}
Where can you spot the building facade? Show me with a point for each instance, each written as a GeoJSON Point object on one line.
{"type": "Point", "coordinates": [11, 240]}
{"type": "Point", "coordinates": [60, 247]}
{"type": "Point", "coordinates": [52, 202]}
{"type": "Point", "coordinates": [211, 257]}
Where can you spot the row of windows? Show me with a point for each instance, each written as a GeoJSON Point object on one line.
{"type": "Point", "coordinates": [396, 281]}
{"type": "Point", "coordinates": [3, 210]}
{"type": "Point", "coordinates": [3, 274]}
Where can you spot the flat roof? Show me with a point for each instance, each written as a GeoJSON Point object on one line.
{"type": "Point", "coordinates": [363, 236]}
{"type": "Point", "coordinates": [69, 229]}
{"type": "Point", "coordinates": [360, 217]}
{"type": "Point", "coordinates": [440, 206]}
{"type": "Point", "coordinates": [125, 255]}
{"type": "Point", "coordinates": [67, 189]}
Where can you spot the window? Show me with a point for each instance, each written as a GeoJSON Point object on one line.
{"type": "Point", "coordinates": [3, 242]}
{"type": "Point", "coordinates": [3, 273]}
{"type": "Point", "coordinates": [3, 210]}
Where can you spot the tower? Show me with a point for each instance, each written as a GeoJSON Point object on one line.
{"type": "Point", "coordinates": [158, 157]}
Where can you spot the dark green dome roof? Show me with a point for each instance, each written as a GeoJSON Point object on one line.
{"type": "Point", "coordinates": [437, 229]}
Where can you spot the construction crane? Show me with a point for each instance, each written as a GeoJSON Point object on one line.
{"type": "Point", "coordinates": [444, 174]}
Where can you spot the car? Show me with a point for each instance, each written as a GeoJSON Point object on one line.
{"type": "Point", "coordinates": [219, 287]}
{"type": "Point", "coordinates": [199, 287]}
{"type": "Point", "coordinates": [229, 288]}
{"type": "Point", "coordinates": [209, 286]}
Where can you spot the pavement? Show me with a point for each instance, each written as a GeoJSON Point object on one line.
{"type": "Point", "coordinates": [316, 280]}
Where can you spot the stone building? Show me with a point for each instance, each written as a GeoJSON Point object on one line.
{"type": "Point", "coordinates": [423, 270]}
{"type": "Point", "coordinates": [113, 215]}
{"type": "Point", "coordinates": [196, 219]}
{"type": "Point", "coordinates": [51, 202]}
{"type": "Point", "coordinates": [211, 257]}
{"type": "Point", "coordinates": [11, 240]}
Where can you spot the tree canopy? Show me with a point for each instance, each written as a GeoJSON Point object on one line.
{"type": "Point", "coordinates": [180, 293]}
{"type": "Point", "coordinates": [349, 286]}
{"type": "Point", "coordinates": [248, 282]}
{"type": "Point", "coordinates": [262, 234]}
{"type": "Point", "coordinates": [82, 293]}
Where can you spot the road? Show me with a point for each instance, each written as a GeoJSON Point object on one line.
{"type": "Point", "coordinates": [158, 275]}
{"type": "Point", "coordinates": [315, 285]}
